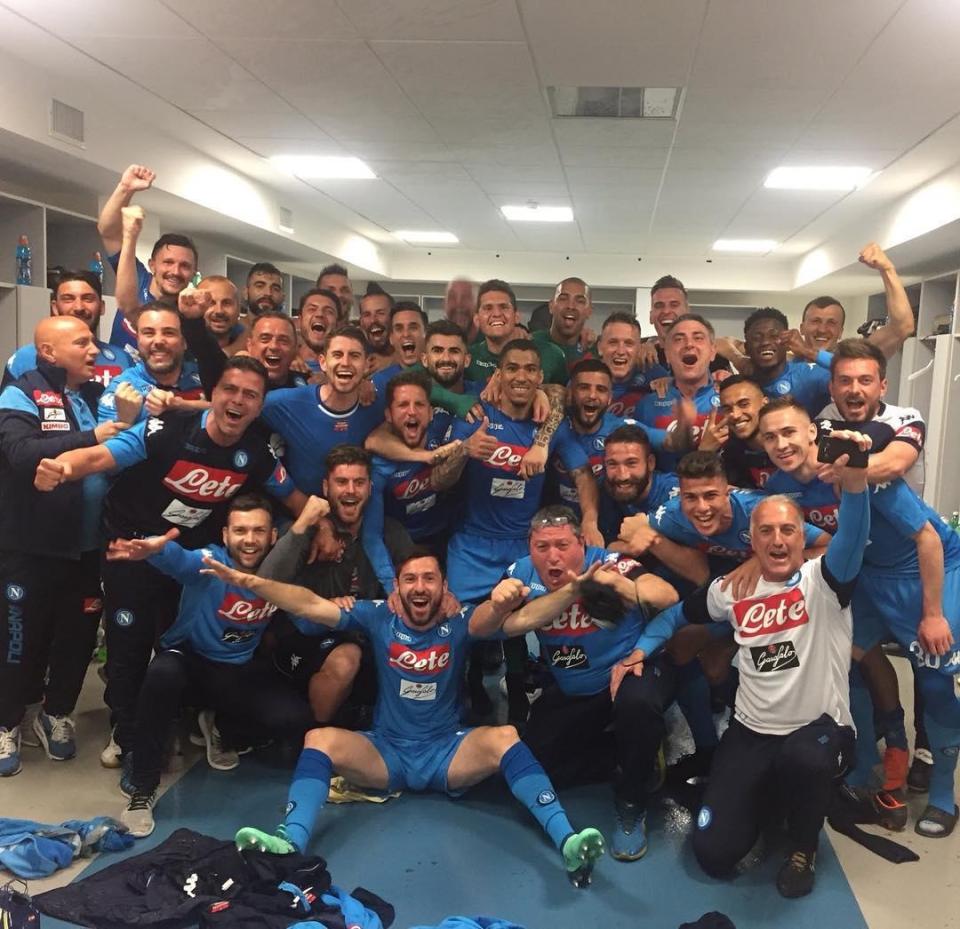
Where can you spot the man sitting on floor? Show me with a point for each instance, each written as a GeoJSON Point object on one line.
{"type": "Point", "coordinates": [416, 741]}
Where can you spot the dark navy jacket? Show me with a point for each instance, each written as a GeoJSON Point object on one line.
{"type": "Point", "coordinates": [38, 421]}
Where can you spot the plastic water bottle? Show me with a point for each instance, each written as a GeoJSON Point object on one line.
{"type": "Point", "coordinates": [24, 261]}
{"type": "Point", "coordinates": [96, 265]}
{"type": "Point", "coordinates": [954, 523]}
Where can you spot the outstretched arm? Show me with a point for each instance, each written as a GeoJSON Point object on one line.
{"type": "Point", "coordinates": [298, 601]}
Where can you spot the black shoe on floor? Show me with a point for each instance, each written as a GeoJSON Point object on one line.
{"type": "Point", "coordinates": [796, 876]}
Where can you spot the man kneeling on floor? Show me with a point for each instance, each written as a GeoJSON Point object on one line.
{"type": "Point", "coordinates": [791, 736]}
{"type": "Point", "coordinates": [417, 741]}
{"type": "Point", "coordinates": [208, 652]}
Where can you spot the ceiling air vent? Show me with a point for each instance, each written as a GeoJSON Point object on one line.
{"type": "Point", "coordinates": [615, 102]}
{"type": "Point", "coordinates": [285, 220]}
{"type": "Point", "coordinates": [66, 122]}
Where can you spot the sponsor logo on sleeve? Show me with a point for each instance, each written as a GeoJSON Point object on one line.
{"type": "Point", "coordinates": [777, 656]}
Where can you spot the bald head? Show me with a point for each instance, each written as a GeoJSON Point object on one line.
{"type": "Point", "coordinates": [67, 342]}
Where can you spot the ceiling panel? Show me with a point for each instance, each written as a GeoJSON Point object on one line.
{"type": "Point", "coordinates": [302, 19]}
{"type": "Point", "coordinates": [428, 150]}
{"type": "Point", "coordinates": [300, 144]}
{"type": "Point", "coordinates": [598, 159]}
{"type": "Point", "coordinates": [506, 150]}
{"type": "Point", "coordinates": [460, 79]}
{"type": "Point", "coordinates": [278, 123]}
{"type": "Point", "coordinates": [779, 214]}
{"type": "Point", "coordinates": [378, 201]}
{"type": "Point", "coordinates": [616, 133]}
{"type": "Point", "coordinates": [549, 237]}
{"type": "Point", "coordinates": [462, 20]}
{"type": "Point", "coordinates": [613, 43]}
{"type": "Point", "coordinates": [146, 19]}
{"type": "Point", "coordinates": [205, 78]}
{"type": "Point", "coordinates": [750, 43]}
{"type": "Point", "coordinates": [615, 243]}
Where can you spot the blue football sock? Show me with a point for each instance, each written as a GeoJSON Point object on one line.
{"type": "Point", "coordinates": [307, 796]}
{"type": "Point", "coordinates": [942, 719]}
{"type": "Point", "coordinates": [530, 785]}
{"type": "Point", "coordinates": [861, 709]}
{"type": "Point", "coordinates": [891, 727]}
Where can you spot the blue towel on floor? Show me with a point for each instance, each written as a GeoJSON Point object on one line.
{"type": "Point", "coordinates": [31, 849]}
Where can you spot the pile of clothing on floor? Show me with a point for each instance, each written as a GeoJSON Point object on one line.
{"type": "Point", "coordinates": [192, 879]}
{"type": "Point", "coordinates": [30, 849]}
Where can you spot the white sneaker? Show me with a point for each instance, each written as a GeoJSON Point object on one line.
{"type": "Point", "coordinates": [27, 736]}
{"type": "Point", "coordinates": [138, 816]}
{"type": "Point", "coordinates": [218, 757]}
{"type": "Point", "coordinates": [110, 756]}
{"type": "Point", "coordinates": [9, 751]}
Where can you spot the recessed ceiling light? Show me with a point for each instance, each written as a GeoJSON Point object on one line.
{"type": "Point", "coordinates": [818, 177]}
{"type": "Point", "coordinates": [534, 213]}
{"type": "Point", "coordinates": [416, 237]}
{"type": "Point", "coordinates": [323, 166]}
{"type": "Point", "coordinates": [759, 246]}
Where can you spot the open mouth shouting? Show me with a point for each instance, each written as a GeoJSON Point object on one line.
{"type": "Point", "coordinates": [689, 359]}
{"type": "Point", "coordinates": [377, 334]}
{"type": "Point", "coordinates": [233, 416]}
{"type": "Point", "coordinates": [556, 577]}
{"type": "Point", "coordinates": [408, 351]}
{"type": "Point", "coordinates": [767, 356]}
{"type": "Point", "coordinates": [344, 378]}
{"type": "Point", "coordinates": [411, 431]}
{"type": "Point", "coordinates": [855, 407]}
{"type": "Point", "coordinates": [271, 359]}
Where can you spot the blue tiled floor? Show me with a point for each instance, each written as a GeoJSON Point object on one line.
{"type": "Point", "coordinates": [431, 857]}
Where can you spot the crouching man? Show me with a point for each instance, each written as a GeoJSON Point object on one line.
{"type": "Point", "coordinates": [792, 733]}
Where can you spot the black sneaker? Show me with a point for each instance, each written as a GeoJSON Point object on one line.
{"type": "Point", "coordinates": [918, 777]}
{"type": "Point", "coordinates": [796, 877]}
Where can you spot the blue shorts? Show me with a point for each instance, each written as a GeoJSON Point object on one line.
{"type": "Point", "coordinates": [893, 603]}
{"type": "Point", "coordinates": [416, 764]}
{"type": "Point", "coordinates": [477, 563]}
